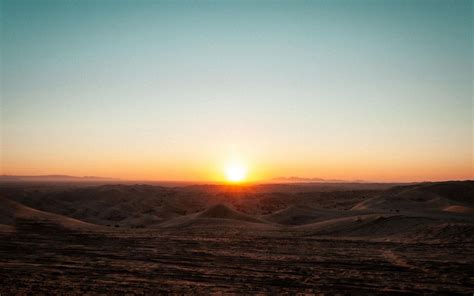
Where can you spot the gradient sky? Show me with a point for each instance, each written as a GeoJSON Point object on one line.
{"type": "Point", "coordinates": [174, 90]}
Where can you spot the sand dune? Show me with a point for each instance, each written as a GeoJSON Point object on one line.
{"type": "Point", "coordinates": [128, 206]}
{"type": "Point", "coordinates": [370, 225]}
{"type": "Point", "coordinates": [219, 214]}
{"type": "Point", "coordinates": [394, 227]}
{"type": "Point", "coordinates": [12, 213]}
{"type": "Point", "coordinates": [449, 196]}
{"type": "Point", "coordinates": [221, 211]}
{"type": "Point", "coordinates": [459, 209]}
{"type": "Point", "coordinates": [300, 215]}
{"type": "Point", "coordinates": [146, 206]}
{"type": "Point", "coordinates": [153, 217]}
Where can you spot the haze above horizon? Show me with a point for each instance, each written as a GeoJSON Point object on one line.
{"type": "Point", "coordinates": [371, 90]}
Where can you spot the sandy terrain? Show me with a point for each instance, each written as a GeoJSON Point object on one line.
{"type": "Point", "coordinates": [142, 239]}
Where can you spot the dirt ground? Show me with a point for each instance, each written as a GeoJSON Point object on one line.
{"type": "Point", "coordinates": [44, 259]}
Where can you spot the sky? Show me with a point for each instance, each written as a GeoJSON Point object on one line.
{"type": "Point", "coordinates": [178, 90]}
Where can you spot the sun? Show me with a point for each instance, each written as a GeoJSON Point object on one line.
{"type": "Point", "coordinates": [236, 173]}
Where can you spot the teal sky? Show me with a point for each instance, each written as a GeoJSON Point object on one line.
{"type": "Point", "coordinates": [376, 90]}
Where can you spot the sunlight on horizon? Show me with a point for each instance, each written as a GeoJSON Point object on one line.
{"type": "Point", "coordinates": [236, 173]}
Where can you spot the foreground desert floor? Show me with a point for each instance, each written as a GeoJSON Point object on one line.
{"type": "Point", "coordinates": [143, 239]}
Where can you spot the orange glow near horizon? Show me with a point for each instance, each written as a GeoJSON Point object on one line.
{"type": "Point", "coordinates": [213, 162]}
{"type": "Point", "coordinates": [219, 169]}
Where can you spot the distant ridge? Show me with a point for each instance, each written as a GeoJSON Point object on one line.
{"type": "Point", "coordinates": [13, 178]}
{"type": "Point", "coordinates": [312, 180]}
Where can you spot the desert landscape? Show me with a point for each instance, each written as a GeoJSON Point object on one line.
{"type": "Point", "coordinates": [235, 147]}
{"type": "Point", "coordinates": [64, 238]}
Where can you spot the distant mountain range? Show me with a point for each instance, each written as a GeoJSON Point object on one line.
{"type": "Point", "coordinates": [67, 178]}
{"type": "Point", "coordinates": [51, 178]}
{"type": "Point", "coordinates": [313, 180]}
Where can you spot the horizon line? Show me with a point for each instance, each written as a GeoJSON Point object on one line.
{"type": "Point", "coordinates": [87, 178]}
